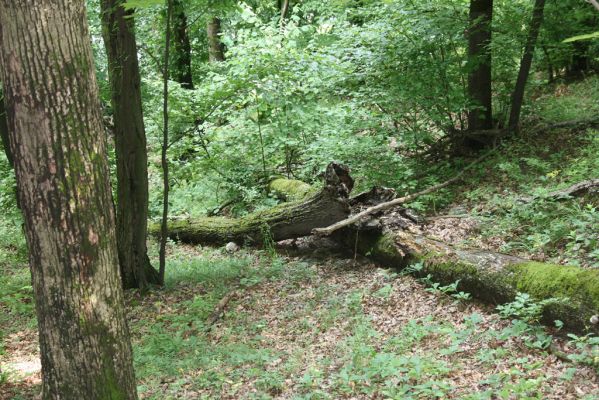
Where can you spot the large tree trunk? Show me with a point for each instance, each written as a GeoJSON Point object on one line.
{"type": "Point", "coordinates": [285, 221]}
{"type": "Point", "coordinates": [57, 138]}
{"type": "Point", "coordinates": [479, 56]}
{"type": "Point", "coordinates": [181, 68]}
{"type": "Point", "coordinates": [492, 277]}
{"type": "Point", "coordinates": [131, 153]}
{"type": "Point", "coordinates": [525, 64]}
{"type": "Point", "coordinates": [216, 48]}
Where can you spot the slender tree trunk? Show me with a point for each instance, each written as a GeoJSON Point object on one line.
{"type": "Point", "coordinates": [131, 153]}
{"type": "Point", "coordinates": [181, 47]}
{"type": "Point", "coordinates": [216, 49]}
{"type": "Point", "coordinates": [164, 158]}
{"type": "Point", "coordinates": [57, 138]}
{"type": "Point", "coordinates": [284, 10]}
{"type": "Point", "coordinates": [525, 64]}
{"type": "Point", "coordinates": [479, 55]}
{"type": "Point", "coordinates": [4, 133]}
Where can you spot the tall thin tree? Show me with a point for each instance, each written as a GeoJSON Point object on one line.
{"type": "Point", "coordinates": [57, 138]}
{"type": "Point", "coordinates": [525, 64]}
{"type": "Point", "coordinates": [130, 140]}
{"type": "Point", "coordinates": [480, 60]}
{"type": "Point", "coordinates": [164, 155]}
{"type": "Point", "coordinates": [284, 7]}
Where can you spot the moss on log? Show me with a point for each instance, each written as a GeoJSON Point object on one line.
{"type": "Point", "coordinates": [290, 189]}
{"type": "Point", "coordinates": [492, 277]}
{"type": "Point", "coordinates": [284, 221]}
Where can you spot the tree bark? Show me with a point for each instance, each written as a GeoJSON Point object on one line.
{"type": "Point", "coordinates": [181, 47]}
{"type": "Point", "coordinates": [479, 55]}
{"type": "Point", "coordinates": [57, 138]}
{"type": "Point", "coordinates": [216, 48]}
{"type": "Point", "coordinates": [525, 64]}
{"type": "Point", "coordinates": [285, 221]}
{"type": "Point", "coordinates": [131, 152]}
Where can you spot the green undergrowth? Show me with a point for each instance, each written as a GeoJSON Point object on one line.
{"type": "Point", "coordinates": [15, 280]}
{"type": "Point", "coordinates": [534, 164]}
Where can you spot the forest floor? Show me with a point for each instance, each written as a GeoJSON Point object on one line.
{"type": "Point", "coordinates": [316, 328]}
{"type": "Point", "coordinates": [331, 326]}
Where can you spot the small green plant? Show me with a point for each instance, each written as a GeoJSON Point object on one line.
{"type": "Point", "coordinates": [527, 313]}
{"type": "Point", "coordinates": [268, 241]}
{"type": "Point", "coordinates": [384, 292]}
{"type": "Point", "coordinates": [587, 347]}
{"type": "Point", "coordinates": [462, 296]}
{"type": "Point", "coordinates": [525, 308]}
{"type": "Point", "coordinates": [413, 269]}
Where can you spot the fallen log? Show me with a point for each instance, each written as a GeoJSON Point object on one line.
{"type": "Point", "coordinates": [578, 189]}
{"type": "Point", "coordinates": [489, 276]}
{"type": "Point", "coordinates": [391, 239]}
{"type": "Point", "coordinates": [285, 221]}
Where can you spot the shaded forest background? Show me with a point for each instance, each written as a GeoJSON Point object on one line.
{"type": "Point", "coordinates": [407, 94]}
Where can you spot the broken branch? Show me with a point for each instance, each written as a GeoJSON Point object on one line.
{"type": "Point", "coordinates": [390, 204]}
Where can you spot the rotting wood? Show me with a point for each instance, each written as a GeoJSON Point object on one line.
{"type": "Point", "coordinates": [395, 202]}
{"type": "Point", "coordinates": [285, 221]}
{"type": "Point", "coordinates": [391, 239]}
{"type": "Point", "coordinates": [489, 276]}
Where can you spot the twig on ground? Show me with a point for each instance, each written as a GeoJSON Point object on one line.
{"type": "Point", "coordinates": [219, 309]}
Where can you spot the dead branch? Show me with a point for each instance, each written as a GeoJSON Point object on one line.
{"type": "Point", "coordinates": [582, 123]}
{"type": "Point", "coordinates": [592, 185]}
{"type": "Point", "coordinates": [219, 310]}
{"type": "Point", "coordinates": [390, 204]}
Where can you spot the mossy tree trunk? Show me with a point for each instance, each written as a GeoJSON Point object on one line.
{"type": "Point", "coordinates": [131, 152]}
{"type": "Point", "coordinates": [285, 221]}
{"type": "Point", "coordinates": [216, 48]}
{"type": "Point", "coordinates": [181, 66]}
{"type": "Point", "coordinates": [489, 276]}
{"type": "Point", "coordinates": [57, 138]}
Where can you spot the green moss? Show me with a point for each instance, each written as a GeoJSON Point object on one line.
{"type": "Point", "coordinates": [385, 245]}
{"type": "Point", "coordinates": [112, 391]}
{"type": "Point", "coordinates": [437, 266]}
{"type": "Point", "coordinates": [548, 280]}
{"type": "Point", "coordinates": [290, 189]}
